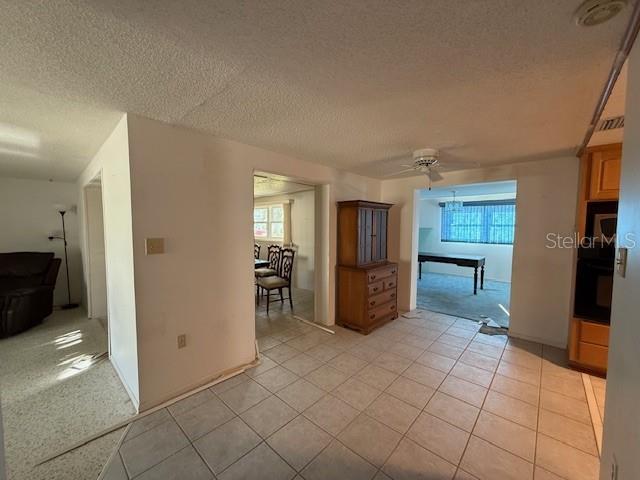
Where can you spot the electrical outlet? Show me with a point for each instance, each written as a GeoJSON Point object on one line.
{"type": "Point", "coordinates": [182, 341]}
{"type": "Point", "coordinates": [154, 246]}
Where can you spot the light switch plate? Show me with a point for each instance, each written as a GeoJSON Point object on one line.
{"type": "Point", "coordinates": [154, 246]}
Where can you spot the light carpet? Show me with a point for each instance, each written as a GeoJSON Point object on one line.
{"type": "Point", "coordinates": [53, 395]}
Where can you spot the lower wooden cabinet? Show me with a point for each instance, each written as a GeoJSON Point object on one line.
{"type": "Point", "coordinates": [367, 296]}
{"type": "Point", "coordinates": [589, 345]}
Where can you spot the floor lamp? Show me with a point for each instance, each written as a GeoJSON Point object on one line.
{"type": "Point", "coordinates": [62, 210]}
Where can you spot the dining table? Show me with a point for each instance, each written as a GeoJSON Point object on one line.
{"type": "Point", "coordinates": [261, 263]}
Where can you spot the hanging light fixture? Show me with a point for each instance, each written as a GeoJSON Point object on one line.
{"type": "Point", "coordinates": [453, 204]}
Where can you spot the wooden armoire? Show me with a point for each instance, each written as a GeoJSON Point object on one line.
{"type": "Point", "coordinates": [366, 285]}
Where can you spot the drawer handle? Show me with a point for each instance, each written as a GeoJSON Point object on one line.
{"type": "Point", "coordinates": [372, 316]}
{"type": "Point", "coordinates": [392, 295]}
{"type": "Point", "coordinates": [392, 307]}
{"type": "Point", "coordinates": [372, 277]}
{"type": "Point", "coordinates": [392, 272]}
{"type": "Point", "coordinates": [390, 284]}
{"type": "Point", "coordinates": [375, 289]}
{"type": "Point", "coordinates": [372, 303]}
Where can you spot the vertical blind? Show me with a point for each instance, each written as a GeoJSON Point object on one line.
{"type": "Point", "coordinates": [491, 221]}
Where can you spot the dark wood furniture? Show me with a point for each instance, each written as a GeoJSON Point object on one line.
{"type": "Point", "coordinates": [599, 181]}
{"type": "Point", "coordinates": [256, 250]}
{"type": "Point", "coordinates": [473, 261]}
{"type": "Point", "coordinates": [366, 287]}
{"type": "Point", "coordinates": [261, 263]}
{"type": "Point", "coordinates": [281, 280]}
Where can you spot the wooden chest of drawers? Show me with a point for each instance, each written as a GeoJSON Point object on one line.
{"type": "Point", "coordinates": [367, 296]}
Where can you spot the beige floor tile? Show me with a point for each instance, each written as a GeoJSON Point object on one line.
{"type": "Point", "coordinates": [347, 363]}
{"type": "Point", "coordinates": [147, 423]}
{"type": "Point", "coordinates": [268, 416]}
{"type": "Point", "coordinates": [411, 392]}
{"type": "Point", "coordinates": [492, 351]}
{"type": "Point", "coordinates": [424, 375]}
{"type": "Point", "coordinates": [299, 442]}
{"type": "Point", "coordinates": [307, 341]}
{"type": "Point", "coordinates": [511, 409]}
{"type": "Point", "coordinates": [410, 461]}
{"type": "Point", "coordinates": [184, 464]}
{"type": "Point", "coordinates": [488, 462]}
{"type": "Point", "coordinates": [205, 417]}
{"type": "Point", "coordinates": [226, 444]}
{"type": "Point", "coordinates": [571, 432]}
{"type": "Point", "coordinates": [566, 461]}
{"type": "Point", "coordinates": [365, 352]}
{"type": "Point", "coordinates": [571, 387]}
{"type": "Point", "coordinates": [516, 389]}
{"type": "Point", "coordinates": [392, 362]}
{"type": "Point", "coordinates": [382, 476]}
{"type": "Point", "coordinates": [356, 393]}
{"type": "Point", "coordinates": [453, 340]}
{"type": "Point", "coordinates": [326, 377]}
{"type": "Point", "coordinates": [445, 349]}
{"type": "Point", "coordinates": [523, 359]}
{"type": "Point", "coordinates": [405, 350]}
{"type": "Point", "coordinates": [417, 341]}
{"type": "Point", "coordinates": [427, 333]}
{"type": "Point", "coordinates": [439, 437]}
{"type": "Point", "coordinates": [338, 462]}
{"type": "Point", "coordinates": [567, 406]}
{"type": "Point", "coordinates": [276, 379]}
{"type": "Point", "coordinates": [519, 344]}
{"type": "Point", "coordinates": [359, 437]}
{"type": "Point", "coordinates": [467, 324]}
{"type": "Point", "coordinates": [462, 332]}
{"type": "Point", "coordinates": [479, 360]}
{"type": "Point", "coordinates": [436, 361]}
{"type": "Point", "coordinates": [265, 364]}
{"type": "Point", "coordinates": [463, 390]}
{"type": "Point", "coordinates": [507, 435]}
{"type": "Point", "coordinates": [302, 364]}
{"type": "Point", "coordinates": [393, 412]}
{"type": "Point", "coordinates": [462, 475]}
{"type": "Point", "coordinates": [542, 474]}
{"type": "Point", "coordinates": [323, 352]}
{"type": "Point", "coordinates": [516, 372]}
{"type": "Point", "coordinates": [244, 396]}
{"type": "Point", "coordinates": [191, 402]}
{"type": "Point", "coordinates": [496, 340]}
{"type": "Point", "coordinates": [472, 374]}
{"type": "Point", "coordinates": [331, 414]}
{"type": "Point", "coordinates": [454, 411]}
{"type": "Point", "coordinates": [301, 394]}
{"type": "Point", "coordinates": [376, 377]}
{"type": "Point", "coordinates": [229, 383]}
{"type": "Point", "coordinates": [281, 353]}
{"type": "Point", "coordinates": [260, 463]}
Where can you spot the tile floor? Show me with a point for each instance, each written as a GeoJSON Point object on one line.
{"type": "Point", "coordinates": [422, 398]}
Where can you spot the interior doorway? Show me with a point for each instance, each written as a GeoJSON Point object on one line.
{"type": "Point", "coordinates": [465, 249]}
{"type": "Point", "coordinates": [284, 219]}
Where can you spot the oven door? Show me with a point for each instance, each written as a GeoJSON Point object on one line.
{"type": "Point", "coordinates": [594, 289]}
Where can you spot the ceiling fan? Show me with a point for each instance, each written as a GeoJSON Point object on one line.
{"type": "Point", "coordinates": [428, 162]}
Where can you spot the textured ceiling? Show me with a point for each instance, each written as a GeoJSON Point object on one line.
{"type": "Point", "coordinates": [349, 84]}
{"type": "Point", "coordinates": [272, 185]}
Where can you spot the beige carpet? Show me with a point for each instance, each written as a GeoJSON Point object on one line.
{"type": "Point", "coordinates": [54, 394]}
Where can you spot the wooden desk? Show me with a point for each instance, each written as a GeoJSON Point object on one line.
{"type": "Point", "coordinates": [474, 261]}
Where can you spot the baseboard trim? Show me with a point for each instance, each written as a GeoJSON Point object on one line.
{"type": "Point", "coordinates": [530, 338]}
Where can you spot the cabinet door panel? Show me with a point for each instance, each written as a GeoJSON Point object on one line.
{"type": "Point", "coordinates": [366, 234]}
{"type": "Point", "coordinates": [605, 174]}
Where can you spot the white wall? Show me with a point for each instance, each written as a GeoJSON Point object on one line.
{"type": "Point", "coordinates": [196, 191]}
{"type": "Point", "coordinates": [28, 216]}
{"type": "Point", "coordinates": [622, 416]}
{"type": "Point", "coordinates": [3, 464]}
{"type": "Point", "coordinates": [541, 277]}
{"type": "Point", "coordinates": [498, 257]}
{"type": "Point", "coordinates": [302, 234]}
{"type": "Point", "coordinates": [96, 261]}
{"type": "Point", "coordinates": [112, 163]}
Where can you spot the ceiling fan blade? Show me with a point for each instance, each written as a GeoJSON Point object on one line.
{"type": "Point", "coordinates": [406, 170]}
{"type": "Point", "coordinates": [434, 175]}
{"type": "Point", "coordinates": [458, 164]}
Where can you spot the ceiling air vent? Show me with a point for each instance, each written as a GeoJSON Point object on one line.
{"type": "Point", "coordinates": [610, 123]}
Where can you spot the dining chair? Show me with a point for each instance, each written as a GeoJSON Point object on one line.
{"type": "Point", "coordinates": [256, 250]}
{"type": "Point", "coordinates": [273, 256]}
{"type": "Point", "coordinates": [280, 281]}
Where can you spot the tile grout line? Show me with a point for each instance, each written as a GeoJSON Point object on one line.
{"type": "Point", "coordinates": [596, 421]}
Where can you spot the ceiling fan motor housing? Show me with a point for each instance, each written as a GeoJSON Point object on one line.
{"type": "Point", "coordinates": [425, 157]}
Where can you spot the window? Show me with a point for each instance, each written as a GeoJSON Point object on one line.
{"type": "Point", "coordinates": [268, 222]}
{"type": "Point", "coordinates": [491, 221]}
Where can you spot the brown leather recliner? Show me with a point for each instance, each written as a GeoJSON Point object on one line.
{"type": "Point", "coordinates": [27, 280]}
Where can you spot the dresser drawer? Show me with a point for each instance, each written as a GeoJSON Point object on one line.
{"type": "Point", "coordinates": [381, 312]}
{"type": "Point", "coordinates": [390, 283]}
{"type": "Point", "coordinates": [381, 273]}
{"type": "Point", "coordinates": [377, 300]}
{"type": "Point", "coordinates": [594, 356]}
{"type": "Point", "coordinates": [376, 288]}
{"type": "Point", "coordinates": [594, 333]}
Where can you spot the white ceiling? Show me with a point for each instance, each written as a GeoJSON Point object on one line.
{"type": "Point", "coordinates": [472, 189]}
{"type": "Point", "coordinates": [266, 185]}
{"type": "Point", "coordinates": [349, 84]}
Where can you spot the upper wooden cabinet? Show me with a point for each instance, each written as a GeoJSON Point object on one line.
{"type": "Point", "coordinates": [362, 232]}
{"type": "Point", "coordinates": [605, 172]}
